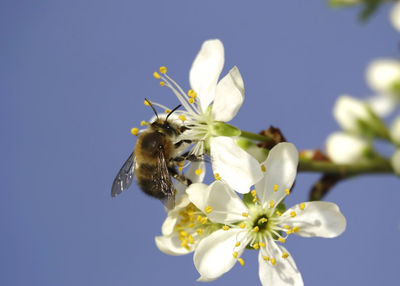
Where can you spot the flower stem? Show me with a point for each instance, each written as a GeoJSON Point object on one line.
{"type": "Point", "coordinates": [255, 136]}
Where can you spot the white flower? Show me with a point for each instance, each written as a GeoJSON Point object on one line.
{"type": "Point", "coordinates": [208, 105]}
{"type": "Point", "coordinates": [395, 160]}
{"type": "Point", "coordinates": [261, 225]}
{"type": "Point", "coordinates": [395, 16]}
{"type": "Point", "coordinates": [343, 148]}
{"type": "Point", "coordinates": [383, 75]}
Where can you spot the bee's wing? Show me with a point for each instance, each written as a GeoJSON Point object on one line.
{"type": "Point", "coordinates": [124, 177]}
{"type": "Point", "coordinates": [162, 181]}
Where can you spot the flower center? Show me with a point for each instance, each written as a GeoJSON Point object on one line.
{"type": "Point", "coordinates": [261, 222]}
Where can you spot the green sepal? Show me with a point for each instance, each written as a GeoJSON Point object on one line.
{"type": "Point", "coordinates": [244, 143]}
{"type": "Point", "coordinates": [220, 128]}
{"type": "Point", "coordinates": [248, 200]}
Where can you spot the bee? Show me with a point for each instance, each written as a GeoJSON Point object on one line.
{"type": "Point", "coordinates": [154, 161]}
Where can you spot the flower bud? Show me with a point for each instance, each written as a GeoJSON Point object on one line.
{"type": "Point", "coordinates": [384, 76]}
{"type": "Point", "coordinates": [344, 148]}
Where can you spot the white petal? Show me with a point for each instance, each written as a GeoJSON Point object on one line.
{"type": "Point", "coordinates": [395, 16]}
{"type": "Point", "coordinates": [395, 130]}
{"type": "Point", "coordinates": [173, 215]}
{"type": "Point", "coordinates": [235, 166]}
{"type": "Point", "coordinates": [205, 71]}
{"type": "Point", "coordinates": [382, 74]}
{"type": "Point", "coordinates": [322, 219]}
{"type": "Point", "coordinates": [191, 173]}
{"type": "Point", "coordinates": [229, 96]}
{"type": "Point", "coordinates": [396, 162]}
{"type": "Point", "coordinates": [348, 111]}
{"type": "Point", "coordinates": [226, 206]}
{"type": "Point", "coordinates": [382, 105]}
{"type": "Point", "coordinates": [281, 169]}
{"type": "Point", "coordinates": [171, 245]}
{"type": "Point", "coordinates": [283, 273]}
{"type": "Point", "coordinates": [344, 148]}
{"type": "Point", "coordinates": [213, 256]}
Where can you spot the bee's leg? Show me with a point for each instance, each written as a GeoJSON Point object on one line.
{"type": "Point", "coordinates": [179, 177]}
{"type": "Point", "coordinates": [184, 128]}
{"type": "Point", "coordinates": [187, 157]}
{"type": "Point", "coordinates": [179, 143]}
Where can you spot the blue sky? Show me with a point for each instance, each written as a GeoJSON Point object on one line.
{"type": "Point", "coordinates": [73, 76]}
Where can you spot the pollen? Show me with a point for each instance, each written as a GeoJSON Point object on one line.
{"type": "Point", "coordinates": [245, 214]}
{"type": "Point", "coordinates": [287, 191]}
{"type": "Point", "coordinates": [263, 168]}
{"type": "Point", "coordinates": [191, 239]}
{"type": "Point", "coordinates": [271, 204]}
{"type": "Point", "coordinates": [167, 111]}
{"type": "Point", "coordinates": [180, 169]}
{"type": "Point", "coordinates": [242, 225]}
{"type": "Point", "coordinates": [262, 244]}
{"type": "Point", "coordinates": [296, 229]}
{"type": "Point", "coordinates": [256, 246]}
{"type": "Point", "coordinates": [266, 258]}
{"type": "Point", "coordinates": [182, 117]}
{"type": "Point", "coordinates": [302, 206]}
{"type": "Point", "coordinates": [217, 176]}
{"type": "Point", "coordinates": [278, 213]}
{"type": "Point", "coordinates": [237, 244]}
{"type": "Point", "coordinates": [203, 220]}
{"type": "Point", "coordinates": [276, 187]}
{"type": "Point", "coordinates": [156, 75]}
{"type": "Point", "coordinates": [273, 261]}
{"type": "Point", "coordinates": [144, 123]}
{"type": "Point", "coordinates": [163, 69]}
{"type": "Point", "coordinates": [253, 193]}
{"type": "Point", "coordinates": [293, 214]}
{"type": "Point", "coordinates": [286, 226]}
{"type": "Point", "coordinates": [147, 102]}
{"type": "Point", "coordinates": [285, 255]}
{"type": "Point", "coordinates": [192, 93]}
{"type": "Point", "coordinates": [225, 227]}
{"type": "Point", "coordinates": [241, 261]}
{"type": "Point", "coordinates": [199, 231]}
{"type": "Point", "coordinates": [255, 200]}
{"type": "Point", "coordinates": [208, 209]}
{"type": "Point", "coordinates": [162, 83]}
{"type": "Point", "coordinates": [135, 131]}
{"type": "Point", "coordinates": [289, 231]}
{"type": "Point", "coordinates": [198, 171]}
{"type": "Point", "coordinates": [256, 229]}
{"type": "Point", "coordinates": [191, 100]}
{"type": "Point", "coordinates": [282, 240]}
{"type": "Point", "coordinates": [235, 254]}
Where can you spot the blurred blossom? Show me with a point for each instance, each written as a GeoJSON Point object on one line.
{"type": "Point", "coordinates": [395, 131]}
{"type": "Point", "coordinates": [343, 148]}
{"type": "Point", "coordinates": [395, 16]}
{"type": "Point", "coordinates": [383, 76]}
{"type": "Point", "coordinates": [208, 105]}
{"type": "Point", "coordinates": [395, 160]}
{"type": "Point", "coordinates": [260, 223]}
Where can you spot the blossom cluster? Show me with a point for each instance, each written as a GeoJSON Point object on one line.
{"type": "Point", "coordinates": [243, 208]}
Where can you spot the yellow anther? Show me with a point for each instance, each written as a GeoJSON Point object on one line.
{"type": "Point", "coordinates": [235, 254]}
{"type": "Point", "coordinates": [204, 220]}
{"type": "Point", "coordinates": [287, 191]}
{"type": "Point", "coordinates": [135, 131]}
{"type": "Point", "coordinates": [237, 244]}
{"type": "Point", "coordinates": [144, 123]}
{"type": "Point", "coordinates": [198, 171]}
{"type": "Point", "coordinates": [180, 169]}
{"type": "Point", "coordinates": [296, 229]}
{"type": "Point", "coordinates": [199, 231]}
{"type": "Point", "coordinates": [262, 220]}
{"type": "Point", "coordinates": [242, 225]}
{"type": "Point", "coordinates": [192, 93]}
{"type": "Point", "coordinates": [183, 233]}
{"type": "Point", "coordinates": [241, 261]}
{"type": "Point", "coordinates": [289, 231]}
{"type": "Point", "coordinates": [263, 168]}
{"type": "Point", "coordinates": [285, 255]}
{"type": "Point", "coordinates": [271, 204]}
{"type": "Point", "coordinates": [180, 164]}
{"type": "Point", "coordinates": [190, 225]}
{"type": "Point", "coordinates": [162, 83]}
{"type": "Point", "coordinates": [286, 226]}
{"type": "Point", "coordinates": [302, 206]}
{"type": "Point", "coordinates": [208, 209]}
{"type": "Point", "coordinates": [293, 214]}
{"type": "Point", "coordinates": [256, 246]}
{"type": "Point", "coordinates": [217, 176]}
{"type": "Point", "coordinates": [266, 258]}
{"type": "Point", "coordinates": [276, 187]}
{"type": "Point", "coordinates": [273, 261]}
{"type": "Point", "coordinates": [225, 227]}
{"type": "Point", "coordinates": [253, 193]}
{"type": "Point", "coordinates": [262, 244]}
{"type": "Point", "coordinates": [156, 75]}
{"type": "Point", "coordinates": [245, 214]}
{"type": "Point", "coordinates": [163, 69]}
{"type": "Point", "coordinates": [255, 199]}
{"type": "Point", "coordinates": [147, 102]}
{"type": "Point", "coordinates": [282, 240]}
{"type": "Point", "coordinates": [167, 111]}
{"type": "Point", "coordinates": [191, 239]}
{"type": "Point", "coordinates": [191, 100]}
{"type": "Point", "coordinates": [278, 213]}
{"type": "Point", "coordinates": [182, 117]}
{"type": "Point", "coordinates": [256, 229]}
{"type": "Point", "coordinates": [199, 217]}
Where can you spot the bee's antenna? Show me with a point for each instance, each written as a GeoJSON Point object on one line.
{"type": "Point", "coordinates": [172, 111]}
{"type": "Point", "coordinates": [152, 107]}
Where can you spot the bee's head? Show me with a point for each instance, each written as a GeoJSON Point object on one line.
{"type": "Point", "coordinates": [162, 125]}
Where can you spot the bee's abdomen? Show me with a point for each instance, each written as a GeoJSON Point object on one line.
{"type": "Point", "coordinates": [144, 179]}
